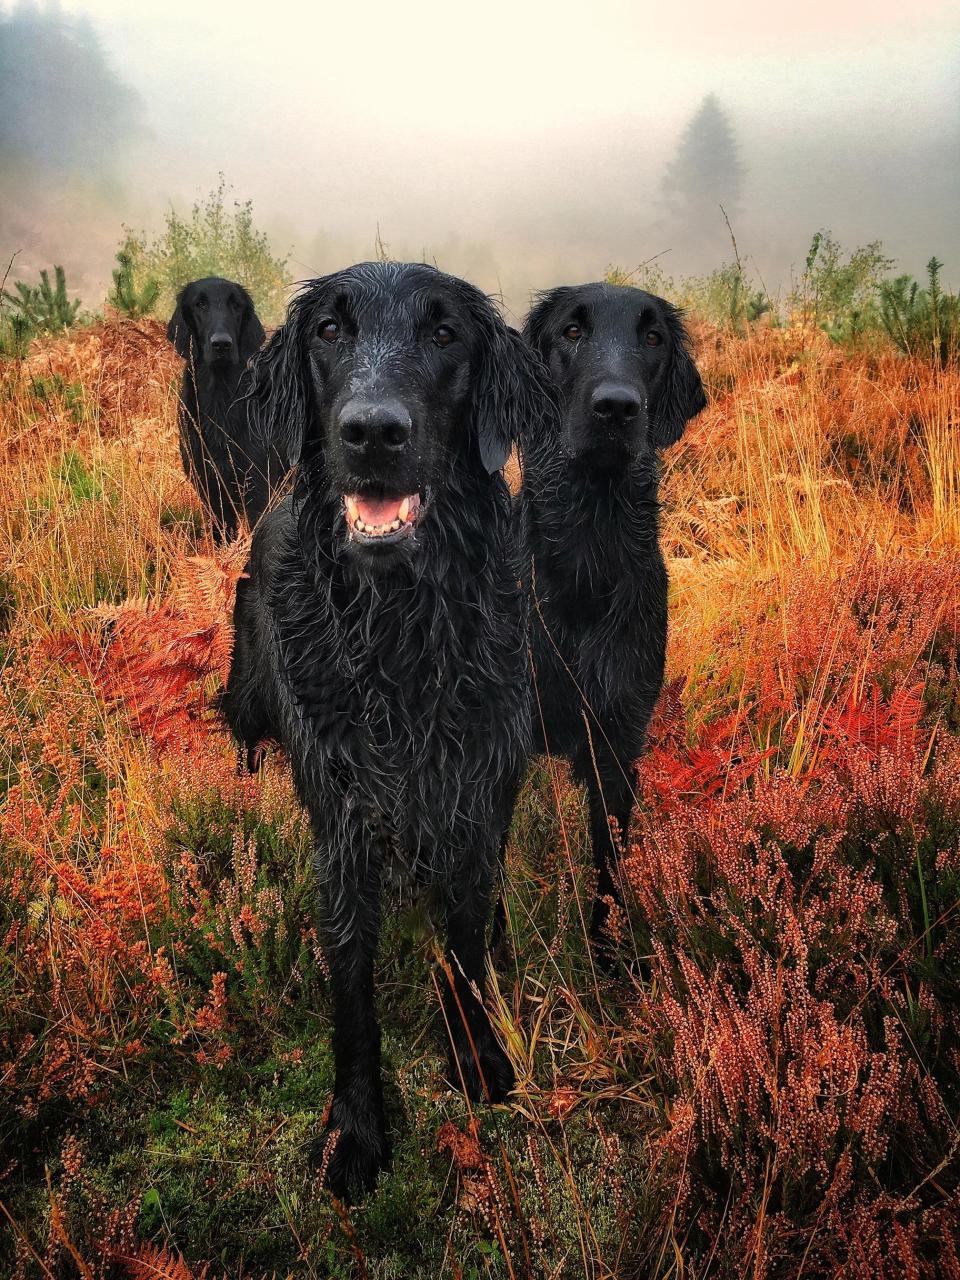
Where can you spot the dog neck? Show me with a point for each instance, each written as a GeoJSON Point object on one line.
{"type": "Point", "coordinates": [587, 531]}
{"type": "Point", "coordinates": [579, 506]}
{"type": "Point", "coordinates": [404, 637]}
{"type": "Point", "coordinates": [212, 387]}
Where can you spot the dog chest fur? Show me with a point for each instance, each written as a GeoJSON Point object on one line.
{"type": "Point", "coordinates": [404, 684]}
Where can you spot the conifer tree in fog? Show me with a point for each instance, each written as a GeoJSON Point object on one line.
{"type": "Point", "coordinates": [68, 124]}
{"type": "Point", "coordinates": [705, 172]}
{"type": "Point", "coordinates": [62, 106]}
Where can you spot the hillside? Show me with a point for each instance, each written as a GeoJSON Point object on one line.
{"type": "Point", "coordinates": [770, 1085]}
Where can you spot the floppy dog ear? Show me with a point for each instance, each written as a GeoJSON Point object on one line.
{"type": "Point", "coordinates": [534, 327]}
{"type": "Point", "coordinates": [511, 395]}
{"type": "Point", "coordinates": [251, 330]}
{"type": "Point", "coordinates": [681, 397]}
{"type": "Point", "coordinates": [179, 330]}
{"type": "Point", "coordinates": [279, 399]}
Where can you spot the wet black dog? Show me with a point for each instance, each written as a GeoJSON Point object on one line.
{"type": "Point", "coordinates": [379, 637]}
{"type": "Point", "coordinates": [590, 527]}
{"type": "Point", "coordinates": [216, 330]}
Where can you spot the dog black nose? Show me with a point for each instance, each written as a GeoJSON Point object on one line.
{"type": "Point", "coordinates": [221, 343]}
{"type": "Point", "coordinates": [616, 405]}
{"type": "Point", "coordinates": [383, 425]}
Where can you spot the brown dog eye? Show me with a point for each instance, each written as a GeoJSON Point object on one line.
{"type": "Point", "coordinates": [330, 331]}
{"type": "Point", "coordinates": [653, 339]}
{"type": "Point", "coordinates": [573, 333]}
{"type": "Point", "coordinates": [444, 336]}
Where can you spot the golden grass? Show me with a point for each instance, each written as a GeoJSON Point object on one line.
{"type": "Point", "coordinates": [807, 457]}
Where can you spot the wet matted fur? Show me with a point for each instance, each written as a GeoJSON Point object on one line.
{"type": "Point", "coordinates": [590, 528]}
{"type": "Point", "coordinates": [380, 637]}
{"type": "Point", "coordinates": [215, 329]}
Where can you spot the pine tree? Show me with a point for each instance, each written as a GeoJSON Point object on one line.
{"type": "Point", "coordinates": [924, 322]}
{"type": "Point", "coordinates": [62, 105]}
{"type": "Point", "coordinates": [126, 297]}
{"type": "Point", "coordinates": [45, 307]}
{"type": "Point", "coordinates": [705, 172]}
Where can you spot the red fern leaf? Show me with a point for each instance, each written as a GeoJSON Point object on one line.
{"type": "Point", "coordinates": [157, 660]}
{"type": "Point", "coordinates": [152, 1262]}
{"type": "Point", "coordinates": [875, 724]}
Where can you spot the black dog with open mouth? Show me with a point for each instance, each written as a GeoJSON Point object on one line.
{"type": "Point", "coordinates": [380, 637]}
{"type": "Point", "coordinates": [590, 516]}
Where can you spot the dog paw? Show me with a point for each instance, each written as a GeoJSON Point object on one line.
{"type": "Point", "coordinates": [350, 1159]}
{"type": "Point", "coordinates": [482, 1069]}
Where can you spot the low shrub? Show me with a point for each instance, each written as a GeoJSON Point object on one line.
{"type": "Point", "coordinates": [211, 240]}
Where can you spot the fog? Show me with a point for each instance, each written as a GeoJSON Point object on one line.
{"type": "Point", "coordinates": [517, 144]}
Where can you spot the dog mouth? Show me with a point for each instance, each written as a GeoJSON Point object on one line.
{"type": "Point", "coordinates": [382, 518]}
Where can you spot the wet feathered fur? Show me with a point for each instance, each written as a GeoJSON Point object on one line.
{"type": "Point", "coordinates": [400, 693]}
{"type": "Point", "coordinates": [233, 474]}
{"type": "Point", "coordinates": [590, 528]}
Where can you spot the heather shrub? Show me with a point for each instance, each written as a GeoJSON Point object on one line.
{"type": "Point", "coordinates": [767, 1085]}
{"type": "Point", "coordinates": [808, 1051]}
{"type": "Point", "coordinates": [241, 903]}
{"type": "Point", "coordinates": [795, 878]}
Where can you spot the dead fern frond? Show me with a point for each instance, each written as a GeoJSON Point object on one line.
{"type": "Point", "coordinates": [156, 1262]}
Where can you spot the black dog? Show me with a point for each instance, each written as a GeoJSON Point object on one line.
{"type": "Point", "coordinates": [216, 330]}
{"type": "Point", "coordinates": [379, 637]}
{"type": "Point", "coordinates": [590, 526]}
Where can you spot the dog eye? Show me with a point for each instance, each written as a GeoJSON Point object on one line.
{"type": "Point", "coordinates": [329, 331]}
{"type": "Point", "coordinates": [200, 303]}
{"type": "Point", "coordinates": [653, 339]}
{"type": "Point", "coordinates": [444, 336]}
{"type": "Point", "coordinates": [573, 333]}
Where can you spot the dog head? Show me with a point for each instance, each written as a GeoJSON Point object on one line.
{"type": "Point", "coordinates": [621, 360]}
{"type": "Point", "coordinates": [387, 381]}
{"type": "Point", "coordinates": [215, 324]}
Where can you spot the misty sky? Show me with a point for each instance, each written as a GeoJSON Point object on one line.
{"type": "Point", "coordinates": [523, 143]}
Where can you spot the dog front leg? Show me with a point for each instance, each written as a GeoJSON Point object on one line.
{"type": "Point", "coordinates": [611, 796]}
{"type": "Point", "coordinates": [354, 1146]}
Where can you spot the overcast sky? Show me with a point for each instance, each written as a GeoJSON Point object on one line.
{"type": "Point", "coordinates": [523, 142]}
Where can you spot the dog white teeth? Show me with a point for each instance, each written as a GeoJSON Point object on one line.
{"type": "Point", "coordinates": [360, 526]}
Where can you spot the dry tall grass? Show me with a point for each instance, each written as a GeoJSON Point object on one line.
{"type": "Point", "coordinates": [770, 1087]}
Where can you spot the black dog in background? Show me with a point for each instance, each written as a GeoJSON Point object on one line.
{"type": "Point", "coordinates": [216, 330]}
{"type": "Point", "coordinates": [380, 638]}
{"type": "Point", "coordinates": [590, 528]}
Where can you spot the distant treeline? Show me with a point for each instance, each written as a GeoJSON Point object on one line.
{"type": "Point", "coordinates": [62, 106]}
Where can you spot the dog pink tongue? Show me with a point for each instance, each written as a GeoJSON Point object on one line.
{"type": "Point", "coordinates": [375, 511]}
